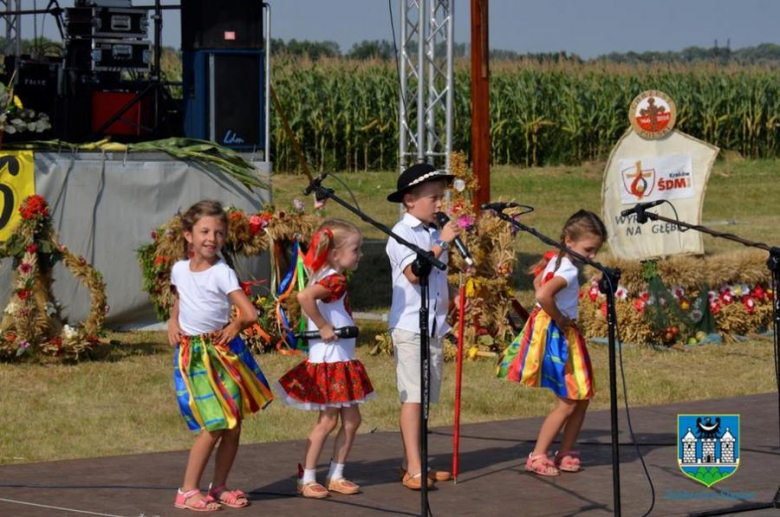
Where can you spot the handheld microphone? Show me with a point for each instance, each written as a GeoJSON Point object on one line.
{"type": "Point", "coordinates": [441, 220]}
{"type": "Point", "coordinates": [642, 206]}
{"type": "Point", "coordinates": [341, 333]}
{"type": "Point", "coordinates": [499, 206]}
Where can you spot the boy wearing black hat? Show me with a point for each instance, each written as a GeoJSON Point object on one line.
{"type": "Point", "coordinates": [421, 189]}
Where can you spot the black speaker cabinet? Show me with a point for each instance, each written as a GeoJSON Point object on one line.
{"type": "Point", "coordinates": [224, 97]}
{"type": "Point", "coordinates": [221, 24]}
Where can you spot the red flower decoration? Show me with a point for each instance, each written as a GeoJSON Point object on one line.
{"type": "Point", "coordinates": [758, 293]}
{"type": "Point", "coordinates": [726, 297]}
{"type": "Point", "coordinates": [715, 307]}
{"type": "Point", "coordinates": [639, 304]}
{"type": "Point", "coordinates": [33, 207]}
{"type": "Point", "coordinates": [23, 294]}
{"type": "Point", "coordinates": [593, 293]}
{"type": "Point", "coordinates": [32, 248]}
{"type": "Point", "coordinates": [604, 308]}
{"type": "Point", "coordinates": [750, 304]}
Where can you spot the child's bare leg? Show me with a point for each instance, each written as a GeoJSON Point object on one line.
{"type": "Point", "coordinates": [553, 424]}
{"type": "Point", "coordinates": [350, 421]}
{"type": "Point", "coordinates": [196, 464]}
{"type": "Point", "coordinates": [573, 425]}
{"type": "Point", "coordinates": [226, 454]}
{"type": "Point", "coordinates": [410, 433]}
{"type": "Point", "coordinates": [326, 423]}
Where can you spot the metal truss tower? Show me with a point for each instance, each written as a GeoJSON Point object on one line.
{"type": "Point", "coordinates": [13, 34]}
{"type": "Point", "coordinates": [426, 82]}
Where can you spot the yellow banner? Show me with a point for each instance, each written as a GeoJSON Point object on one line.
{"type": "Point", "coordinates": [17, 182]}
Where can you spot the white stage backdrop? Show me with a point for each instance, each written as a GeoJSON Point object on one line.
{"type": "Point", "coordinates": [106, 206]}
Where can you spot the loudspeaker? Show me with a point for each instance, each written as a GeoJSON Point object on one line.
{"type": "Point", "coordinates": [221, 24]}
{"type": "Point", "coordinates": [224, 97]}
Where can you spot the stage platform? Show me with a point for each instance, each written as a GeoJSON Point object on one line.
{"type": "Point", "coordinates": [492, 480]}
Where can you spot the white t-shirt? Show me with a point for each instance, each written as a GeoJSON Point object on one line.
{"type": "Point", "coordinates": [567, 299]}
{"type": "Point", "coordinates": [405, 308]}
{"type": "Point", "coordinates": [203, 296]}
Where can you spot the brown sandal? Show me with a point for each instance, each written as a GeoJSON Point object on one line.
{"type": "Point", "coordinates": [433, 474]}
{"type": "Point", "coordinates": [342, 486]}
{"type": "Point", "coordinates": [414, 482]}
{"type": "Point", "coordinates": [312, 490]}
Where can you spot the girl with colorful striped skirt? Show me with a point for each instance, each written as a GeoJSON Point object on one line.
{"type": "Point", "coordinates": [551, 353]}
{"type": "Point", "coordinates": [218, 383]}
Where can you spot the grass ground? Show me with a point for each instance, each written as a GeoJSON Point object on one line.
{"type": "Point", "coordinates": [126, 405]}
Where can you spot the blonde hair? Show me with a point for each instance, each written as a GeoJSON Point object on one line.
{"type": "Point", "coordinates": [201, 209]}
{"type": "Point", "coordinates": [340, 231]}
{"type": "Point", "coordinates": [582, 224]}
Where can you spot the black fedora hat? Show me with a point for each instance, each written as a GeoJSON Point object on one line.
{"type": "Point", "coordinates": [416, 175]}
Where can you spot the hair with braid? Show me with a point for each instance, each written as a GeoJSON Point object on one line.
{"type": "Point", "coordinates": [582, 224]}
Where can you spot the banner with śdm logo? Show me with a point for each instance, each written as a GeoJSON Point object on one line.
{"type": "Point", "coordinates": [651, 165]}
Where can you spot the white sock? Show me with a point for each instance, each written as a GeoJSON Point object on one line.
{"type": "Point", "coordinates": [336, 470]}
{"type": "Point", "coordinates": [309, 476]}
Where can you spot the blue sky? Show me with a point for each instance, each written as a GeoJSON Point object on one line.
{"type": "Point", "coordinates": [586, 27]}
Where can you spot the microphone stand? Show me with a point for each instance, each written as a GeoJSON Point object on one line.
{"type": "Point", "coordinates": [421, 267]}
{"type": "Point", "coordinates": [607, 285]}
{"type": "Point", "coordinates": [773, 263]}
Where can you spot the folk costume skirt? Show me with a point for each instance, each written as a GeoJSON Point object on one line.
{"type": "Point", "coordinates": [543, 357]}
{"type": "Point", "coordinates": [217, 386]}
{"type": "Point", "coordinates": [318, 386]}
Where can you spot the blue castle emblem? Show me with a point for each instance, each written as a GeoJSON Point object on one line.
{"type": "Point", "coordinates": [708, 446]}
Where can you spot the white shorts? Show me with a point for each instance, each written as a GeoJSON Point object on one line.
{"type": "Point", "coordinates": [406, 352]}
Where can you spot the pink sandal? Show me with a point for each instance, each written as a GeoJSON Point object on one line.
{"type": "Point", "coordinates": [230, 498]}
{"type": "Point", "coordinates": [541, 465]}
{"type": "Point", "coordinates": [569, 462]}
{"type": "Point", "coordinates": [205, 504]}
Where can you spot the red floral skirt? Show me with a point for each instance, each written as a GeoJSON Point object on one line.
{"type": "Point", "coordinates": [326, 385]}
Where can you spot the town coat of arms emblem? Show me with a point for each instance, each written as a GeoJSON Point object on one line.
{"type": "Point", "coordinates": [708, 446]}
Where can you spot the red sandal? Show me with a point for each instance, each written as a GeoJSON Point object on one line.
{"type": "Point", "coordinates": [568, 462]}
{"type": "Point", "coordinates": [541, 465]}
{"type": "Point", "coordinates": [204, 504]}
{"type": "Point", "coordinates": [230, 498]}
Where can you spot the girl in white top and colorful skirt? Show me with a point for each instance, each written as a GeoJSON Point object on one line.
{"type": "Point", "coordinates": [218, 383]}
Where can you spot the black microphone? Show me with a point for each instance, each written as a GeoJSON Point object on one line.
{"type": "Point", "coordinates": [441, 220]}
{"type": "Point", "coordinates": [341, 332]}
{"type": "Point", "coordinates": [639, 210]}
{"type": "Point", "coordinates": [499, 206]}
{"type": "Point", "coordinates": [314, 186]}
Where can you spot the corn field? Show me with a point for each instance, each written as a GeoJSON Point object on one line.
{"type": "Point", "coordinates": [345, 113]}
